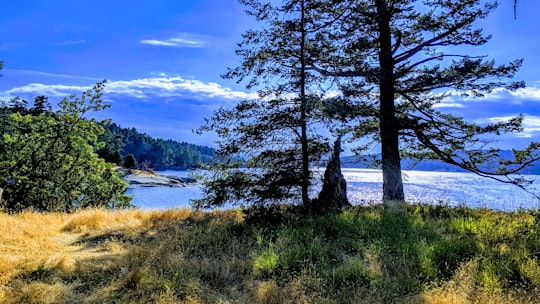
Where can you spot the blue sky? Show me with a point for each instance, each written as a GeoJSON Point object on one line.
{"type": "Point", "coordinates": [163, 60]}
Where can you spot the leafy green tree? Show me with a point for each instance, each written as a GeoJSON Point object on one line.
{"type": "Point", "coordinates": [49, 163]}
{"type": "Point", "coordinates": [130, 162]}
{"type": "Point", "coordinates": [395, 58]}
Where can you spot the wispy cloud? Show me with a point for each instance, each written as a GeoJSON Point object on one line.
{"type": "Point", "coordinates": [173, 87]}
{"type": "Point", "coordinates": [71, 42]}
{"type": "Point", "coordinates": [57, 90]}
{"type": "Point", "coordinates": [182, 40]}
{"type": "Point", "coordinates": [445, 104]}
{"type": "Point", "coordinates": [11, 46]}
{"type": "Point", "coordinates": [46, 74]}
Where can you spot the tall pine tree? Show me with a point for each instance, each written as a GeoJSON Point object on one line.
{"type": "Point", "coordinates": [399, 59]}
{"type": "Point", "coordinates": [272, 136]}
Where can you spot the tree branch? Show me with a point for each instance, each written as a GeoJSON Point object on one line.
{"type": "Point", "coordinates": [408, 54]}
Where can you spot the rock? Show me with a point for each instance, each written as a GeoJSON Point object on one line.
{"type": "Point", "coordinates": [156, 180]}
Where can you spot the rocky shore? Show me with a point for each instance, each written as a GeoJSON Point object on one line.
{"type": "Point", "coordinates": [137, 178]}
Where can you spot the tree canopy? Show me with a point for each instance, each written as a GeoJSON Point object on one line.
{"type": "Point", "coordinates": [158, 153]}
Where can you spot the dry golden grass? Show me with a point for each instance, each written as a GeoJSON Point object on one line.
{"type": "Point", "coordinates": [462, 289]}
{"type": "Point", "coordinates": [60, 245]}
{"type": "Point", "coordinates": [27, 240]}
{"type": "Point", "coordinates": [125, 171]}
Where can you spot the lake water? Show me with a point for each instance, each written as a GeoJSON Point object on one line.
{"type": "Point", "coordinates": [364, 186]}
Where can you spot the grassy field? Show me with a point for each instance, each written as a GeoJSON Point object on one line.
{"type": "Point", "coordinates": [421, 254]}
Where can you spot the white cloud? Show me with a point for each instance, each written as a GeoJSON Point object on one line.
{"type": "Point", "coordinates": [531, 124]}
{"type": "Point", "coordinates": [173, 87]}
{"type": "Point", "coordinates": [445, 104]}
{"type": "Point", "coordinates": [145, 88]}
{"type": "Point", "coordinates": [531, 92]}
{"type": "Point", "coordinates": [57, 90]}
{"type": "Point", "coordinates": [180, 40]}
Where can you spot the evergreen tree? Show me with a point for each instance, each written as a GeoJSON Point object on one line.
{"type": "Point", "coordinates": [160, 153]}
{"type": "Point", "coordinates": [19, 105]}
{"type": "Point", "coordinates": [267, 144]}
{"type": "Point", "coordinates": [111, 150]}
{"type": "Point", "coordinates": [130, 162]}
{"type": "Point", "coordinates": [395, 59]}
{"type": "Point", "coordinates": [41, 105]}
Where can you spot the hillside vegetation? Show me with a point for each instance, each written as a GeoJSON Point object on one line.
{"type": "Point", "coordinates": [421, 254]}
{"type": "Point", "coordinates": [158, 153]}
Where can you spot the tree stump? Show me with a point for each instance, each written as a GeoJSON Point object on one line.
{"type": "Point", "coordinates": [333, 194]}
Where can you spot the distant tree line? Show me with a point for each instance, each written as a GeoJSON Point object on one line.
{"type": "Point", "coordinates": [155, 153]}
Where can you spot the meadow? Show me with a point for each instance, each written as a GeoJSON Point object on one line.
{"type": "Point", "coordinates": [418, 254]}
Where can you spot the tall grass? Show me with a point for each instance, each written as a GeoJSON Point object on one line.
{"type": "Point", "coordinates": [421, 254]}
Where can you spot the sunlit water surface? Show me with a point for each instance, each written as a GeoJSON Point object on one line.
{"type": "Point", "coordinates": [364, 186]}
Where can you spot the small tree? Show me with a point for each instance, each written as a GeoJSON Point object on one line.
{"type": "Point", "coordinates": [41, 105]}
{"type": "Point", "coordinates": [130, 162]}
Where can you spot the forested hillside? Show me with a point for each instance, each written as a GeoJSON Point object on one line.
{"type": "Point", "coordinates": [119, 142]}
{"type": "Point", "coordinates": [155, 153]}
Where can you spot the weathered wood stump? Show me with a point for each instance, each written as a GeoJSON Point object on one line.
{"type": "Point", "coordinates": [333, 195]}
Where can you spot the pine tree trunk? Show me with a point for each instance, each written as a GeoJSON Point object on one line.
{"type": "Point", "coordinates": [391, 161]}
{"type": "Point", "coordinates": [303, 116]}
